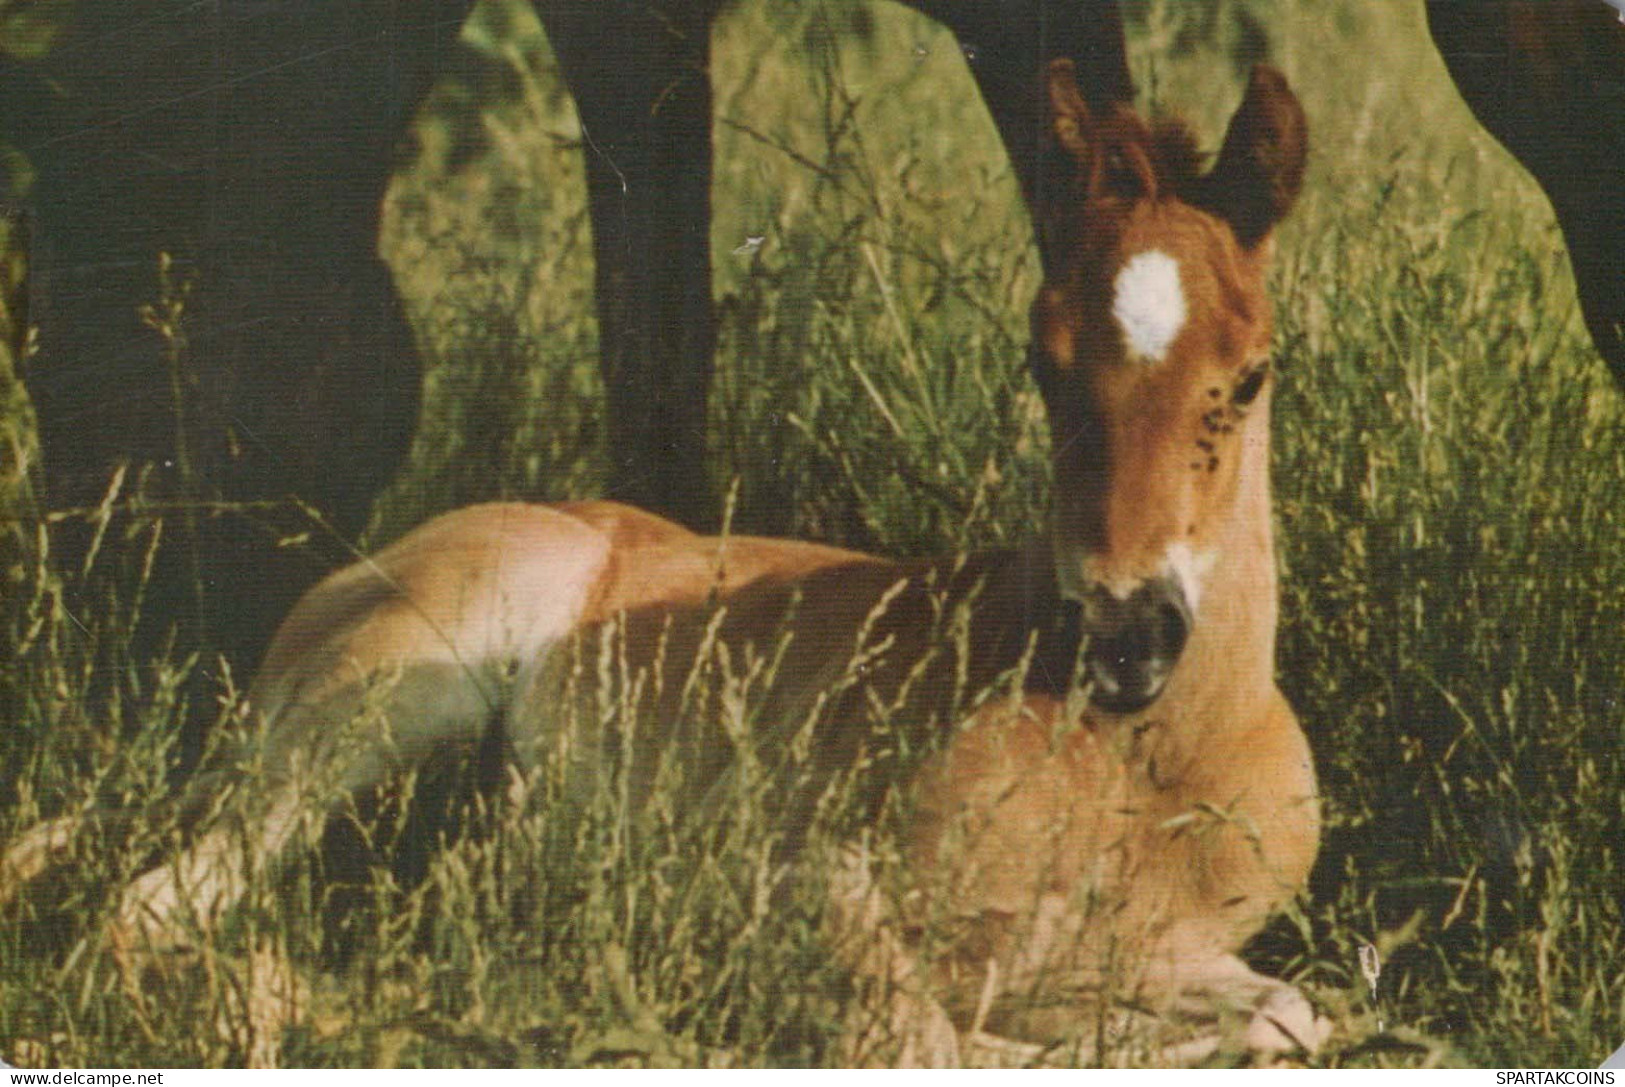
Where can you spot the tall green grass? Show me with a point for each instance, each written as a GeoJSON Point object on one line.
{"type": "Point", "coordinates": [1449, 464]}
{"type": "Point", "coordinates": [1451, 459]}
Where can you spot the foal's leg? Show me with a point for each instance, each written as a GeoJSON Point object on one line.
{"type": "Point", "coordinates": [312, 763]}
{"type": "Point", "coordinates": [1234, 1006]}
{"type": "Point", "coordinates": [35, 850]}
{"type": "Point", "coordinates": [896, 1022]}
{"type": "Point", "coordinates": [379, 669]}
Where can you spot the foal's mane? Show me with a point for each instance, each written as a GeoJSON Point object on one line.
{"type": "Point", "coordinates": [1171, 147]}
{"type": "Point", "coordinates": [1165, 144]}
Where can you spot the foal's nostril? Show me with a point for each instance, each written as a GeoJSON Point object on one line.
{"type": "Point", "coordinates": [1174, 626]}
{"type": "Point", "coordinates": [1134, 644]}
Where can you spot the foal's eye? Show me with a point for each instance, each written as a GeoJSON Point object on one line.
{"type": "Point", "coordinates": [1250, 386]}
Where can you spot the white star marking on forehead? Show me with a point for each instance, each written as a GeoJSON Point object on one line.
{"type": "Point", "coordinates": [1149, 304]}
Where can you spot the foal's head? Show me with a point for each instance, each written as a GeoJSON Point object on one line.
{"type": "Point", "coordinates": [1151, 342]}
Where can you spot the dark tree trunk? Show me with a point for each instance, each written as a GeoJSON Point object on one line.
{"type": "Point", "coordinates": [639, 73]}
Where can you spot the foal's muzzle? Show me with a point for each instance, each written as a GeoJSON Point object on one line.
{"type": "Point", "coordinates": [1133, 643]}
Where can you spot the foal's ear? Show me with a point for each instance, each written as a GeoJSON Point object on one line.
{"type": "Point", "coordinates": [1260, 168]}
{"type": "Point", "coordinates": [1068, 112]}
{"type": "Point", "coordinates": [1110, 150]}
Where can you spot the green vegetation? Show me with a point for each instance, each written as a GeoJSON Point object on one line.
{"type": "Point", "coordinates": [1449, 469]}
